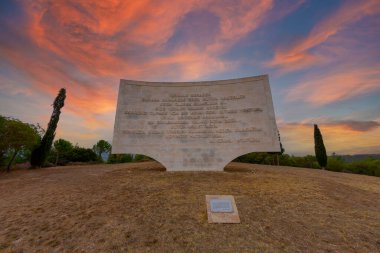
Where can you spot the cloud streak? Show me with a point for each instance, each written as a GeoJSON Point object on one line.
{"type": "Point", "coordinates": [344, 125]}
{"type": "Point", "coordinates": [92, 35]}
{"type": "Point", "coordinates": [336, 86]}
{"type": "Point", "coordinates": [87, 46]}
{"type": "Point", "coordinates": [300, 56]}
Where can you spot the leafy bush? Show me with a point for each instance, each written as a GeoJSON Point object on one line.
{"type": "Point", "coordinates": [308, 161]}
{"type": "Point", "coordinates": [259, 158]}
{"type": "Point", "coordinates": [78, 154]}
{"type": "Point", "coordinates": [126, 158]}
{"type": "Point", "coordinates": [101, 147]}
{"type": "Point", "coordinates": [336, 163]}
{"type": "Point", "coordinates": [139, 158]}
{"type": "Point", "coordinates": [120, 158]}
{"type": "Point", "coordinates": [61, 152]}
{"type": "Point", "coordinates": [369, 166]}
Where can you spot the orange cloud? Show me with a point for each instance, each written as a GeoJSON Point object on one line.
{"type": "Point", "coordinates": [299, 55]}
{"type": "Point", "coordinates": [83, 99]}
{"type": "Point", "coordinates": [90, 39]}
{"type": "Point", "coordinates": [88, 36]}
{"type": "Point", "coordinates": [87, 46]}
{"type": "Point", "coordinates": [332, 87]}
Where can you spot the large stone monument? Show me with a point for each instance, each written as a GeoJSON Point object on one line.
{"type": "Point", "coordinates": [194, 126]}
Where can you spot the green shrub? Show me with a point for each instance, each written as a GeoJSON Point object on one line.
{"type": "Point", "coordinates": [139, 157]}
{"type": "Point", "coordinates": [78, 154]}
{"type": "Point", "coordinates": [369, 166]}
{"type": "Point", "coordinates": [120, 158]}
{"type": "Point", "coordinates": [258, 158]}
{"type": "Point", "coordinates": [308, 161]}
{"type": "Point", "coordinates": [336, 163]}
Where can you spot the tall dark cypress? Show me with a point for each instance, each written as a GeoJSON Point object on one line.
{"type": "Point", "coordinates": [40, 154]}
{"type": "Point", "coordinates": [320, 150]}
{"type": "Point", "coordinates": [281, 147]}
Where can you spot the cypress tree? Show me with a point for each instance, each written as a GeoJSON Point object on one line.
{"type": "Point", "coordinates": [281, 147]}
{"type": "Point", "coordinates": [320, 150]}
{"type": "Point", "coordinates": [40, 154]}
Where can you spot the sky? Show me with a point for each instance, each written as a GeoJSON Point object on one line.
{"type": "Point", "coordinates": [322, 58]}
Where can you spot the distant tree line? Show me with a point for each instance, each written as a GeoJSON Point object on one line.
{"type": "Point", "coordinates": [369, 166]}
{"type": "Point", "coordinates": [19, 139]}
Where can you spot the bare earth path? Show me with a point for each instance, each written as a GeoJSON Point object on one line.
{"type": "Point", "coordinates": [141, 208]}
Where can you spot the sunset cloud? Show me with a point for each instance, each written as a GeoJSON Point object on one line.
{"type": "Point", "coordinates": [300, 55]}
{"type": "Point", "coordinates": [99, 40]}
{"type": "Point", "coordinates": [346, 125]}
{"type": "Point", "coordinates": [88, 46]}
{"type": "Point", "coordinates": [336, 86]}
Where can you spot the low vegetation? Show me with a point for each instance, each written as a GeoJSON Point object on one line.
{"type": "Point", "coordinates": [369, 166]}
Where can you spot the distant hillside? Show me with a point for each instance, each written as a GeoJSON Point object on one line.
{"type": "Point", "coordinates": [353, 158]}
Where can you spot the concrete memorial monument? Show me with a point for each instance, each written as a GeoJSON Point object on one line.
{"type": "Point", "coordinates": [194, 126]}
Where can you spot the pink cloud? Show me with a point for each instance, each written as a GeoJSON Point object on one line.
{"type": "Point", "coordinates": [87, 46]}
{"type": "Point", "coordinates": [336, 86]}
{"type": "Point", "coordinates": [299, 56]}
{"type": "Point", "coordinates": [90, 39]}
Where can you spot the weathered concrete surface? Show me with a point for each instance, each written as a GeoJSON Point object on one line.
{"type": "Point", "coordinates": [195, 126]}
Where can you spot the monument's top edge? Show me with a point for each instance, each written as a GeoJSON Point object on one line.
{"type": "Point", "coordinates": [195, 83]}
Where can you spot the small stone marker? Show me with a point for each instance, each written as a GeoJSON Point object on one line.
{"type": "Point", "coordinates": [222, 209]}
{"type": "Point", "coordinates": [221, 206]}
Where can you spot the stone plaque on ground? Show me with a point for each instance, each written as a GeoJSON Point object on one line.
{"type": "Point", "coordinates": [221, 209]}
{"type": "Point", "coordinates": [192, 126]}
{"type": "Point", "coordinates": [221, 206]}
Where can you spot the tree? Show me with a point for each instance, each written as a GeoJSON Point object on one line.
{"type": "Point", "coordinates": [78, 154]}
{"type": "Point", "coordinates": [39, 154]}
{"type": "Point", "coordinates": [62, 149]}
{"type": "Point", "coordinates": [3, 146]}
{"type": "Point", "coordinates": [16, 136]}
{"type": "Point", "coordinates": [320, 150]}
{"type": "Point", "coordinates": [281, 147]}
{"type": "Point", "coordinates": [100, 147]}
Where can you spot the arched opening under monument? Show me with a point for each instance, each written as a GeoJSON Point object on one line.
{"type": "Point", "coordinates": [267, 158]}
{"type": "Point", "coordinates": [157, 166]}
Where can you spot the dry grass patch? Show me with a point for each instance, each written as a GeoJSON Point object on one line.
{"type": "Point", "coordinates": [141, 208]}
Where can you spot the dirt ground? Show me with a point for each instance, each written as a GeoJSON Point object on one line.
{"type": "Point", "coordinates": [139, 207]}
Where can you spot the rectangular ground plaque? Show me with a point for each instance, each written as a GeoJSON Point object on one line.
{"type": "Point", "coordinates": [221, 206]}
{"type": "Point", "coordinates": [221, 209]}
